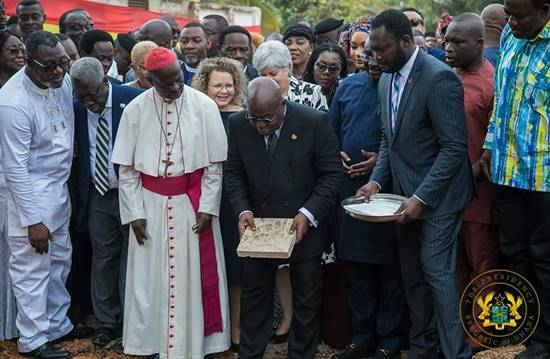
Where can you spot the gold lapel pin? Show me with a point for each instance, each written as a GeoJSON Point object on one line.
{"type": "Point", "coordinates": [294, 136]}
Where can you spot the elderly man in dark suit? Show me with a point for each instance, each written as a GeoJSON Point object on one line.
{"type": "Point", "coordinates": [424, 151]}
{"type": "Point", "coordinates": [98, 110]}
{"type": "Point", "coordinates": [283, 162]}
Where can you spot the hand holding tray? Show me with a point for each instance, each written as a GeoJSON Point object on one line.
{"type": "Point", "coordinates": [382, 207]}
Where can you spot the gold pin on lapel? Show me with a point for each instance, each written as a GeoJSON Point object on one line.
{"type": "Point", "coordinates": [294, 137]}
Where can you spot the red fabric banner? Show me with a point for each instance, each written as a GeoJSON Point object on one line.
{"type": "Point", "coordinates": [111, 18]}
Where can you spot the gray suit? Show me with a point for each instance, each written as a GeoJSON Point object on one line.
{"type": "Point", "coordinates": [427, 156]}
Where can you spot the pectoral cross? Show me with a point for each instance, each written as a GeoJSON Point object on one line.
{"type": "Point", "coordinates": [167, 163]}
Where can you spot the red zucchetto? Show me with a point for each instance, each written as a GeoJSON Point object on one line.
{"type": "Point", "coordinates": [159, 58]}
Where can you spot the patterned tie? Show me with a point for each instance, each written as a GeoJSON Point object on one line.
{"type": "Point", "coordinates": [395, 99]}
{"type": "Point", "coordinates": [101, 177]}
{"type": "Point", "coordinates": [272, 144]}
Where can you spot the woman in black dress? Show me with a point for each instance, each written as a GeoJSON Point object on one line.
{"type": "Point", "coordinates": [223, 80]}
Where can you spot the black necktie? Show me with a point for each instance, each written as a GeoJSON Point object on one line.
{"type": "Point", "coordinates": [272, 144]}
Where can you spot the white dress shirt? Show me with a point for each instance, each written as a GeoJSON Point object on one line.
{"type": "Point", "coordinates": [36, 135]}
{"type": "Point", "coordinates": [93, 121]}
{"type": "Point", "coordinates": [311, 218]}
{"type": "Point", "coordinates": [404, 73]}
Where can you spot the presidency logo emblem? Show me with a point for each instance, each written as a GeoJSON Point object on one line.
{"type": "Point", "coordinates": [499, 308]}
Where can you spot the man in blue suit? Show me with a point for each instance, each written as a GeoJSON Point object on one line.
{"type": "Point", "coordinates": [98, 109]}
{"type": "Point", "coordinates": [424, 152]}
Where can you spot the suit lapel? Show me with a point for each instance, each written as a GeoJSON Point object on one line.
{"type": "Point", "coordinates": [116, 111]}
{"type": "Point", "coordinates": [83, 139]}
{"type": "Point", "coordinates": [385, 84]}
{"type": "Point", "coordinates": [409, 86]}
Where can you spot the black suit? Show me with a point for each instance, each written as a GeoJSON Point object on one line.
{"type": "Point", "coordinates": [305, 171]}
{"type": "Point", "coordinates": [250, 72]}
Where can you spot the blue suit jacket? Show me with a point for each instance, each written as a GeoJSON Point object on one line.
{"type": "Point", "coordinates": [121, 96]}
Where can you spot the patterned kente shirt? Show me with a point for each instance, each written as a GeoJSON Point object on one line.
{"type": "Point", "coordinates": [307, 94]}
{"type": "Point", "coordinates": [519, 134]}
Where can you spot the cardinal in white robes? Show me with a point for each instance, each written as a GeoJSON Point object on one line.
{"type": "Point", "coordinates": [170, 147]}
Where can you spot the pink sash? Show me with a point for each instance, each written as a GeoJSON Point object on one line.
{"type": "Point", "coordinates": [190, 184]}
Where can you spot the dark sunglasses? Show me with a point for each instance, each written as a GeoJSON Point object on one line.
{"type": "Point", "coordinates": [333, 69]}
{"type": "Point", "coordinates": [63, 64]}
{"type": "Point", "coordinates": [84, 99]}
{"type": "Point", "coordinates": [416, 22]}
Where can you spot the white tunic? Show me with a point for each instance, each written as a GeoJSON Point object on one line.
{"type": "Point", "coordinates": [163, 306]}
{"type": "Point", "coordinates": [36, 136]}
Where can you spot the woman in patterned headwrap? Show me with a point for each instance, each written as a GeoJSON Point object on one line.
{"type": "Point", "coordinates": [441, 28]}
{"type": "Point", "coordinates": [354, 42]}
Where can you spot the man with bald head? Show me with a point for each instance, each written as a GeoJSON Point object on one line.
{"type": "Point", "coordinates": [214, 25]}
{"type": "Point", "coordinates": [464, 51]}
{"type": "Point", "coordinates": [174, 26]}
{"type": "Point", "coordinates": [158, 31]}
{"type": "Point", "coordinates": [283, 162]}
{"type": "Point", "coordinates": [494, 18]}
{"type": "Point", "coordinates": [74, 23]}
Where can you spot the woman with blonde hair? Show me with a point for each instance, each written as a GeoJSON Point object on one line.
{"type": "Point", "coordinates": [223, 80]}
{"type": "Point", "coordinates": [139, 51]}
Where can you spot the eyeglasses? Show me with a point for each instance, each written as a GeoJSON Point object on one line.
{"type": "Point", "coordinates": [416, 22]}
{"type": "Point", "coordinates": [14, 51]}
{"type": "Point", "coordinates": [90, 98]}
{"type": "Point", "coordinates": [266, 120]}
{"type": "Point", "coordinates": [333, 69]}
{"type": "Point", "coordinates": [63, 64]}
{"type": "Point", "coordinates": [219, 87]}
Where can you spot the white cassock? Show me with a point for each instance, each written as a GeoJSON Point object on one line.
{"type": "Point", "coordinates": [163, 311]}
{"type": "Point", "coordinates": [36, 135]}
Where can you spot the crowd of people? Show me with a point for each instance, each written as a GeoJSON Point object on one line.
{"type": "Point", "coordinates": [131, 166]}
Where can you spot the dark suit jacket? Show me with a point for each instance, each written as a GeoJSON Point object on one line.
{"type": "Point", "coordinates": [251, 72]}
{"type": "Point", "coordinates": [305, 171]}
{"type": "Point", "coordinates": [121, 96]}
{"type": "Point", "coordinates": [427, 156]}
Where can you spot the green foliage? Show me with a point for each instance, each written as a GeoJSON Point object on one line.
{"type": "Point", "coordinates": [277, 14]}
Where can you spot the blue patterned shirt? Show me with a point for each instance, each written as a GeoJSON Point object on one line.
{"type": "Point", "coordinates": [519, 134]}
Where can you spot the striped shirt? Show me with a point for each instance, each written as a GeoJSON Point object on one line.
{"type": "Point", "coordinates": [518, 132]}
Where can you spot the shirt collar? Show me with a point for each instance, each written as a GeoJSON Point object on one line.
{"type": "Point", "coordinates": [406, 69]}
{"type": "Point", "coordinates": [544, 34]}
{"type": "Point", "coordinates": [190, 69]}
{"type": "Point", "coordinates": [109, 103]}
{"type": "Point", "coordinates": [38, 90]}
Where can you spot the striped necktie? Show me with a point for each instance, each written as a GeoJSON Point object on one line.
{"type": "Point", "coordinates": [395, 99]}
{"type": "Point", "coordinates": [101, 177]}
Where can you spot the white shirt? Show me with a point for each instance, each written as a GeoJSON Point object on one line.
{"type": "Point", "coordinates": [36, 135]}
{"type": "Point", "coordinates": [93, 121]}
{"type": "Point", "coordinates": [113, 72]}
{"type": "Point", "coordinates": [311, 218]}
{"type": "Point", "coordinates": [404, 73]}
